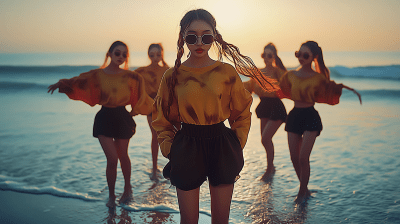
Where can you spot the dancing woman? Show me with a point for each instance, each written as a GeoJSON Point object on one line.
{"type": "Point", "coordinates": [271, 110]}
{"type": "Point", "coordinates": [306, 86]}
{"type": "Point", "coordinates": [113, 88]}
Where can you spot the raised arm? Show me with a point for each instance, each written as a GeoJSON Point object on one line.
{"type": "Point", "coordinates": [53, 87]}
{"type": "Point", "coordinates": [354, 91]}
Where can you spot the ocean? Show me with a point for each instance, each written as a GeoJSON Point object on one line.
{"type": "Point", "coordinates": [46, 147]}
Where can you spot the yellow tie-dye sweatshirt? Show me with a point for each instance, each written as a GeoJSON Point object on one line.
{"type": "Point", "coordinates": [109, 90]}
{"type": "Point", "coordinates": [203, 96]}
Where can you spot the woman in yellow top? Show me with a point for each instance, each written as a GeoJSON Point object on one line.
{"type": "Point", "coordinates": [271, 110]}
{"type": "Point", "coordinates": [193, 101]}
{"type": "Point", "coordinates": [113, 88]}
{"type": "Point", "coordinates": [306, 87]}
{"type": "Point", "coordinates": [152, 75]}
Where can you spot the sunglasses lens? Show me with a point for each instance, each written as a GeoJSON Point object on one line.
{"type": "Point", "coordinates": [124, 55]}
{"type": "Point", "coordinates": [306, 56]}
{"type": "Point", "coordinates": [191, 39]}
{"type": "Point", "coordinates": [117, 54]}
{"type": "Point", "coordinates": [269, 55]}
{"type": "Point", "coordinates": [207, 39]}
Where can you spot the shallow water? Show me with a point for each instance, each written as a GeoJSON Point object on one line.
{"type": "Point", "coordinates": [46, 147]}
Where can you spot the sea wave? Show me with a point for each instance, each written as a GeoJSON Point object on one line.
{"type": "Point", "coordinates": [158, 208]}
{"type": "Point", "coordinates": [6, 184]}
{"type": "Point", "coordinates": [375, 72]}
{"type": "Point", "coordinates": [18, 86]}
{"type": "Point", "coordinates": [21, 86]}
{"type": "Point", "coordinates": [378, 93]}
{"type": "Point", "coordinates": [45, 69]}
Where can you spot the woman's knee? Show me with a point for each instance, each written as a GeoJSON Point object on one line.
{"type": "Point", "coordinates": [112, 161]}
{"type": "Point", "coordinates": [304, 160]}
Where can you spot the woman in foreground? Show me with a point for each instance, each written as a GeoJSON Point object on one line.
{"type": "Point", "coordinates": [193, 101]}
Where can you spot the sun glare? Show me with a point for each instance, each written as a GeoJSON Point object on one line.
{"type": "Point", "coordinates": [228, 13]}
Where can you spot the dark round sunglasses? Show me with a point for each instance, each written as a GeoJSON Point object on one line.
{"type": "Point", "coordinates": [205, 39]}
{"type": "Point", "coordinates": [300, 54]}
{"type": "Point", "coordinates": [119, 53]}
{"type": "Point", "coordinates": [269, 55]}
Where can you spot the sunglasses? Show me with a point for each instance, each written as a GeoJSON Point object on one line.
{"type": "Point", "coordinates": [299, 54]}
{"type": "Point", "coordinates": [269, 55]}
{"type": "Point", "coordinates": [119, 54]}
{"type": "Point", "coordinates": [205, 39]}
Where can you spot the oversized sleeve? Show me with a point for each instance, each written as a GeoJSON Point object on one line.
{"type": "Point", "coordinates": [140, 101]}
{"type": "Point", "coordinates": [240, 117]}
{"type": "Point", "coordinates": [84, 87]}
{"type": "Point", "coordinates": [285, 87]}
{"type": "Point", "coordinates": [329, 92]}
{"type": "Point", "coordinates": [165, 127]}
{"type": "Point", "coordinates": [249, 85]}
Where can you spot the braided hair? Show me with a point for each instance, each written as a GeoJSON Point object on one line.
{"type": "Point", "coordinates": [243, 64]}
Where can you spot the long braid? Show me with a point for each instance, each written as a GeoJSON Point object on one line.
{"type": "Point", "coordinates": [321, 64]}
{"type": "Point", "coordinates": [164, 63]}
{"type": "Point", "coordinates": [243, 64]}
{"type": "Point", "coordinates": [278, 61]}
{"type": "Point", "coordinates": [279, 64]}
{"type": "Point", "coordinates": [171, 82]}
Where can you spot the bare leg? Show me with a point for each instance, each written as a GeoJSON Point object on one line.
{"type": "Point", "coordinates": [294, 141]}
{"type": "Point", "coordinates": [122, 150]}
{"type": "Point", "coordinates": [221, 197]}
{"type": "Point", "coordinates": [304, 160]}
{"type": "Point", "coordinates": [189, 205]}
{"type": "Point", "coordinates": [154, 144]}
{"type": "Point", "coordinates": [110, 151]}
{"type": "Point", "coordinates": [267, 133]}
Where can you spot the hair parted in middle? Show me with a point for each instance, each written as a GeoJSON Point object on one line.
{"type": "Point", "coordinates": [111, 49]}
{"type": "Point", "coordinates": [243, 64]}
{"type": "Point", "coordinates": [159, 47]}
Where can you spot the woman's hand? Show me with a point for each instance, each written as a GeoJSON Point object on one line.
{"type": "Point", "coordinates": [53, 87]}
{"type": "Point", "coordinates": [351, 89]}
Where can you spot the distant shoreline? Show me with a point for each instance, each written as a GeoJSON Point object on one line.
{"type": "Point", "coordinates": [137, 59]}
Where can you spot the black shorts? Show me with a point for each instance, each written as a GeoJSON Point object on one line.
{"type": "Point", "coordinates": [271, 108]}
{"type": "Point", "coordinates": [201, 151]}
{"type": "Point", "coordinates": [114, 123]}
{"type": "Point", "coordinates": [300, 120]}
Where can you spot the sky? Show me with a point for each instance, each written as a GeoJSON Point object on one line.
{"type": "Point", "coordinates": [43, 26]}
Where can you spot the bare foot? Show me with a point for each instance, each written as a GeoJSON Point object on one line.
{"type": "Point", "coordinates": [154, 174]}
{"type": "Point", "coordinates": [111, 202]}
{"type": "Point", "coordinates": [270, 169]}
{"type": "Point", "coordinates": [126, 196]}
{"type": "Point", "coordinates": [302, 197]}
{"type": "Point", "coordinates": [269, 173]}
